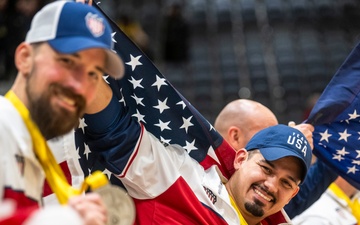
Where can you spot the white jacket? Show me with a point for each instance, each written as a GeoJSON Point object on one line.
{"type": "Point", "coordinates": [328, 210]}
{"type": "Point", "coordinates": [22, 177]}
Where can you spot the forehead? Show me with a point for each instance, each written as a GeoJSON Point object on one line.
{"type": "Point", "coordinates": [92, 54]}
{"type": "Point", "coordinates": [93, 58]}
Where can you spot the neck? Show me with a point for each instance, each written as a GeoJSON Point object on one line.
{"type": "Point", "coordinates": [19, 88]}
{"type": "Point", "coordinates": [250, 219]}
{"type": "Point", "coordinates": [243, 215]}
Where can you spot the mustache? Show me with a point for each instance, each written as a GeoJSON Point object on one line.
{"type": "Point", "coordinates": [266, 190]}
{"type": "Point", "coordinates": [80, 101]}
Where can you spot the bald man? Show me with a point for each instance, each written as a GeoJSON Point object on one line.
{"type": "Point", "coordinates": [241, 119]}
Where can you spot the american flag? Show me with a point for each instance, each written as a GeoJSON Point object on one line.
{"type": "Point", "coordinates": [154, 102]}
{"type": "Point", "coordinates": [336, 117]}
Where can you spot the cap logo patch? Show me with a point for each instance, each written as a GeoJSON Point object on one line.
{"type": "Point", "coordinates": [95, 24]}
{"type": "Point", "coordinates": [298, 141]}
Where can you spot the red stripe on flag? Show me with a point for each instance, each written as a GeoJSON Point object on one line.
{"type": "Point", "coordinates": [65, 168]}
{"type": "Point", "coordinates": [226, 156]}
{"type": "Point", "coordinates": [19, 197]}
{"type": "Point", "coordinates": [25, 207]}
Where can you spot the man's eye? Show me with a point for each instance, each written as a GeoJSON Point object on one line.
{"type": "Point", "coordinates": [94, 75]}
{"type": "Point", "coordinates": [287, 184]}
{"type": "Point", "coordinates": [67, 61]}
{"type": "Point", "coordinates": [266, 169]}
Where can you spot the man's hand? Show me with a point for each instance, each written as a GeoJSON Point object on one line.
{"type": "Point", "coordinates": [102, 98]}
{"type": "Point", "coordinates": [89, 2]}
{"type": "Point", "coordinates": [306, 129]}
{"type": "Point", "coordinates": [91, 208]}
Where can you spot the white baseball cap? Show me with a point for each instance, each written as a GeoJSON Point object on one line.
{"type": "Point", "coordinates": [71, 27]}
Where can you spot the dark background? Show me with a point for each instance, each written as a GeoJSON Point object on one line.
{"type": "Point", "coordinates": [281, 53]}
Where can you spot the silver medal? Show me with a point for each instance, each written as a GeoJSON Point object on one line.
{"type": "Point", "coordinates": [120, 206]}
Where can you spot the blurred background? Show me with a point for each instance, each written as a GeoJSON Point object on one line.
{"type": "Point", "coordinates": [281, 53]}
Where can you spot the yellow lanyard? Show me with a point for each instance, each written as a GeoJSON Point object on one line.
{"type": "Point", "coordinates": [353, 205]}
{"type": "Point", "coordinates": [242, 220]}
{"type": "Point", "coordinates": [53, 172]}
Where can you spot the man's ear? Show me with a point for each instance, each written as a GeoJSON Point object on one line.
{"type": "Point", "coordinates": [240, 156]}
{"type": "Point", "coordinates": [23, 58]}
{"type": "Point", "coordinates": [235, 137]}
{"type": "Point", "coordinates": [295, 193]}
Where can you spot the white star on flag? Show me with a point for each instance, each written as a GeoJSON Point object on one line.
{"type": "Point", "coordinates": [358, 152]}
{"type": "Point", "coordinates": [338, 157]}
{"type": "Point", "coordinates": [159, 82]}
{"type": "Point", "coordinates": [344, 135]}
{"type": "Point", "coordinates": [325, 136]}
{"type": "Point", "coordinates": [190, 146]}
{"type": "Point", "coordinates": [122, 99]}
{"type": "Point", "coordinates": [166, 141]}
{"type": "Point", "coordinates": [342, 152]}
{"type": "Point", "coordinates": [112, 37]}
{"type": "Point", "coordinates": [139, 116]}
{"type": "Point", "coordinates": [352, 169]}
{"type": "Point", "coordinates": [136, 83]}
{"type": "Point", "coordinates": [163, 125]}
{"type": "Point", "coordinates": [162, 105]}
{"type": "Point", "coordinates": [105, 77]}
{"type": "Point", "coordinates": [186, 123]}
{"type": "Point", "coordinates": [87, 151]}
{"type": "Point", "coordinates": [82, 124]}
{"type": "Point", "coordinates": [134, 62]}
{"type": "Point", "coordinates": [354, 115]}
{"type": "Point", "coordinates": [211, 127]}
{"type": "Point", "coordinates": [107, 173]}
{"type": "Point", "coordinates": [74, 154]}
{"type": "Point", "coordinates": [137, 100]}
{"type": "Point", "coordinates": [181, 103]}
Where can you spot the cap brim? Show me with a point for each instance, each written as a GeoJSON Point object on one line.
{"type": "Point", "coordinates": [275, 153]}
{"type": "Point", "coordinates": [114, 66]}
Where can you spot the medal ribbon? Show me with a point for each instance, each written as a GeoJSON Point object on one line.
{"type": "Point", "coordinates": [54, 175]}
{"type": "Point", "coordinates": [353, 205]}
{"type": "Point", "coordinates": [242, 220]}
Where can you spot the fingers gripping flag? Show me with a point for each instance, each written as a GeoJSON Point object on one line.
{"type": "Point", "coordinates": [336, 117]}
{"type": "Point", "coordinates": [154, 102]}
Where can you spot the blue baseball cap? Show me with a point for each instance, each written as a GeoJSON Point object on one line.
{"type": "Point", "coordinates": [70, 27]}
{"type": "Point", "coordinates": [280, 141]}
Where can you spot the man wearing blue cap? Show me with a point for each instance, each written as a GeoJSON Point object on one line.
{"type": "Point", "coordinates": [169, 187]}
{"type": "Point", "coordinates": [60, 65]}
{"type": "Point", "coordinates": [270, 171]}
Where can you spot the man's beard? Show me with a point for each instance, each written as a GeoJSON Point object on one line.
{"type": "Point", "coordinates": [52, 122]}
{"type": "Point", "coordinates": [255, 208]}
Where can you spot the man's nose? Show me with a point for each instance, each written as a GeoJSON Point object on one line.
{"type": "Point", "coordinates": [78, 81]}
{"type": "Point", "coordinates": [272, 184]}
